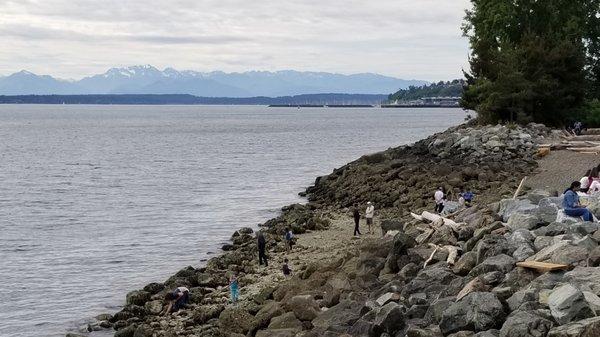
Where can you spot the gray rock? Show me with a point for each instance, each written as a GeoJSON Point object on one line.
{"type": "Point", "coordinates": [489, 333]}
{"type": "Point", "coordinates": [525, 324]}
{"type": "Point", "coordinates": [285, 321]}
{"type": "Point", "coordinates": [585, 328]}
{"type": "Point", "coordinates": [436, 309]}
{"type": "Point", "coordinates": [344, 313]}
{"type": "Point", "coordinates": [391, 225]}
{"type": "Point", "coordinates": [542, 242]}
{"type": "Point", "coordinates": [585, 278]}
{"type": "Point", "coordinates": [562, 252]}
{"type": "Point", "coordinates": [520, 297]}
{"type": "Point", "coordinates": [475, 312]}
{"type": "Point", "coordinates": [390, 319]}
{"type": "Point", "coordinates": [277, 333]}
{"type": "Point", "coordinates": [502, 263]}
{"type": "Point", "coordinates": [128, 331]}
{"type": "Point", "coordinates": [493, 245]}
{"type": "Point", "coordinates": [137, 297]}
{"type": "Point", "coordinates": [267, 312]}
{"type": "Point", "coordinates": [510, 206]}
{"type": "Point", "coordinates": [304, 307]}
{"type": "Point", "coordinates": [465, 263]}
{"type": "Point", "coordinates": [522, 221]}
{"type": "Point", "coordinates": [568, 303]}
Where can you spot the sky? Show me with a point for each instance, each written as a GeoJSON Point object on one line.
{"type": "Point", "coordinates": [410, 39]}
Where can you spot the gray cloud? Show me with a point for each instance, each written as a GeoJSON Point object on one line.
{"type": "Point", "coordinates": [411, 39]}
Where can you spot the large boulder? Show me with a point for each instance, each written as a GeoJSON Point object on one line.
{"type": "Point", "coordinates": [391, 225]}
{"type": "Point", "coordinates": [587, 277]}
{"type": "Point", "coordinates": [236, 320]}
{"type": "Point", "coordinates": [389, 319]}
{"type": "Point", "coordinates": [267, 312]}
{"type": "Point", "coordinates": [502, 263]}
{"type": "Point", "coordinates": [344, 313]}
{"type": "Point", "coordinates": [585, 328]}
{"type": "Point", "coordinates": [477, 311]}
{"type": "Point", "coordinates": [525, 324]}
{"type": "Point", "coordinates": [286, 321]}
{"type": "Point", "coordinates": [562, 252]}
{"type": "Point", "coordinates": [522, 221]}
{"type": "Point", "coordinates": [568, 303]}
{"type": "Point", "coordinates": [304, 307]}
{"type": "Point", "coordinates": [510, 206]}
{"type": "Point", "coordinates": [137, 297]}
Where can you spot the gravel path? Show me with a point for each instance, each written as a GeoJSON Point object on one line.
{"type": "Point", "coordinates": [560, 168]}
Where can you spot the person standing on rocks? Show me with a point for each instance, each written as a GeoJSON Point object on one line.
{"type": "Point", "coordinates": [439, 200]}
{"type": "Point", "coordinates": [369, 213]}
{"type": "Point", "coordinates": [262, 245]}
{"type": "Point", "coordinates": [571, 204]}
{"type": "Point", "coordinates": [289, 239]}
{"type": "Point", "coordinates": [234, 288]}
{"type": "Point", "coordinates": [356, 215]}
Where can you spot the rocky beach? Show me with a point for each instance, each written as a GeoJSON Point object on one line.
{"type": "Point", "coordinates": [417, 275]}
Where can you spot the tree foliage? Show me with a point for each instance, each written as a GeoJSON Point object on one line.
{"type": "Point", "coordinates": [531, 60]}
{"type": "Point", "coordinates": [441, 89]}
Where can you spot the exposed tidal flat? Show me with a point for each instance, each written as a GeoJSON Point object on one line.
{"type": "Point", "coordinates": [99, 200]}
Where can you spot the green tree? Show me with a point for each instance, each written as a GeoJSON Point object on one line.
{"type": "Point", "coordinates": [529, 60]}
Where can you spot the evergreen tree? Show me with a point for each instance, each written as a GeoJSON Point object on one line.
{"type": "Point", "coordinates": [530, 59]}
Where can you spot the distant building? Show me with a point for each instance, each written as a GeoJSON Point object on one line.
{"type": "Point", "coordinates": [430, 101]}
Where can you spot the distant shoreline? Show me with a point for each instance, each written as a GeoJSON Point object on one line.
{"type": "Point", "coordinates": [185, 99]}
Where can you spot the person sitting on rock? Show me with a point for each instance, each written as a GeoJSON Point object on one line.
{"type": "Point", "coordinates": [571, 204]}
{"type": "Point", "coordinates": [286, 268]}
{"type": "Point", "coordinates": [176, 299]}
{"type": "Point", "coordinates": [468, 198]}
{"type": "Point", "coordinates": [289, 239]}
{"type": "Point", "coordinates": [585, 181]}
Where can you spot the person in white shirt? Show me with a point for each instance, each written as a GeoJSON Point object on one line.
{"type": "Point", "coordinates": [439, 200]}
{"type": "Point", "coordinates": [585, 181]}
{"type": "Point", "coordinates": [369, 213]}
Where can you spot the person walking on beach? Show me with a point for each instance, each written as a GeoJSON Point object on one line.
{"type": "Point", "coordinates": [369, 213]}
{"type": "Point", "coordinates": [262, 245]}
{"type": "Point", "coordinates": [289, 239]}
{"type": "Point", "coordinates": [176, 300]}
{"type": "Point", "coordinates": [234, 288]}
{"type": "Point", "coordinates": [439, 200]}
{"type": "Point", "coordinates": [356, 215]}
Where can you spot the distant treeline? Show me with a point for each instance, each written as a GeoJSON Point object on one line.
{"type": "Point", "coordinates": [311, 99]}
{"type": "Point", "coordinates": [440, 89]}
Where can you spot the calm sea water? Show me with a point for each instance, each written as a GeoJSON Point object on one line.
{"type": "Point", "coordinates": [96, 201]}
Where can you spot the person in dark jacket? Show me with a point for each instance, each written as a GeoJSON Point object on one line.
{"type": "Point", "coordinates": [262, 245]}
{"type": "Point", "coordinates": [356, 215]}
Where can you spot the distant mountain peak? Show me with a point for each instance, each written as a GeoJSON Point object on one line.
{"type": "Point", "coordinates": [147, 79]}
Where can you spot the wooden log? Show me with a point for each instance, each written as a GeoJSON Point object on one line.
{"type": "Point", "coordinates": [542, 267]}
{"type": "Point", "coordinates": [435, 218]}
{"type": "Point", "coordinates": [519, 188]}
{"type": "Point", "coordinates": [416, 216]}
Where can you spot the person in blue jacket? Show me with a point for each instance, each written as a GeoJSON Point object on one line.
{"type": "Point", "coordinates": [571, 203]}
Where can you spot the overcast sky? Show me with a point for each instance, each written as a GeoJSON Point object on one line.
{"type": "Point", "coordinates": [412, 39]}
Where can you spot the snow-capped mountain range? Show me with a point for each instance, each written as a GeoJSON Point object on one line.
{"type": "Point", "coordinates": [150, 80]}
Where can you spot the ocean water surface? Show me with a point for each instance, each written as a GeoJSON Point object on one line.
{"type": "Point", "coordinates": [96, 201]}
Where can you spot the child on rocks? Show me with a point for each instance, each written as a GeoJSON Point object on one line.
{"type": "Point", "coordinates": [286, 269]}
{"type": "Point", "coordinates": [234, 288]}
{"type": "Point", "coordinates": [289, 239]}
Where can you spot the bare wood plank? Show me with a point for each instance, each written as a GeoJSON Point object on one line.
{"type": "Point", "coordinates": [543, 267]}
